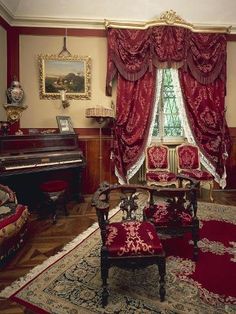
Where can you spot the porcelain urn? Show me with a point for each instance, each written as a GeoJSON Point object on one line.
{"type": "Point", "coordinates": [15, 93]}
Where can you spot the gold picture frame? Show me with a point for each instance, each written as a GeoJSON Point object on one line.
{"type": "Point", "coordinates": [69, 73]}
{"type": "Point", "coordinates": [65, 124]}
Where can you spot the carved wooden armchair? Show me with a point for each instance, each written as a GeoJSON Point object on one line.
{"type": "Point", "coordinates": [158, 166]}
{"type": "Point", "coordinates": [126, 241]}
{"type": "Point", "coordinates": [173, 211]}
{"type": "Point", "coordinates": [188, 163]}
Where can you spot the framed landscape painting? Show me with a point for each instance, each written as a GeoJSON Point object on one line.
{"type": "Point", "coordinates": [72, 74]}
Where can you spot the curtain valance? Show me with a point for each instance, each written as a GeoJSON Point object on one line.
{"type": "Point", "coordinates": [134, 52]}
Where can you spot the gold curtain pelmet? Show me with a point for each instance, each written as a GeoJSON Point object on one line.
{"type": "Point", "coordinates": [169, 18]}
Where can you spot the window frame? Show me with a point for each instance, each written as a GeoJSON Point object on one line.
{"type": "Point", "coordinates": [171, 140]}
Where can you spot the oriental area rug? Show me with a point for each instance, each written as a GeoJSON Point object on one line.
{"type": "Point", "coordinates": [70, 282]}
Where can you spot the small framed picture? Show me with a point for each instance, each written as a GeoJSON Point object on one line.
{"type": "Point", "coordinates": [65, 124]}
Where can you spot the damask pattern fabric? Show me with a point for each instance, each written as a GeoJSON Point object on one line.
{"type": "Point", "coordinates": [206, 58]}
{"type": "Point", "coordinates": [134, 112]}
{"type": "Point", "coordinates": [188, 157]}
{"type": "Point", "coordinates": [161, 176]}
{"type": "Point", "coordinates": [133, 52]}
{"type": "Point", "coordinates": [157, 157]}
{"type": "Point", "coordinates": [132, 238]}
{"type": "Point", "coordinates": [197, 174]}
{"type": "Point", "coordinates": [162, 216]}
{"type": "Point", "coordinates": [205, 110]}
{"type": "Point", "coordinates": [134, 55]}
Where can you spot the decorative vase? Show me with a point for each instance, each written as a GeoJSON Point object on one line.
{"type": "Point", "coordinates": [5, 125]}
{"type": "Point", "coordinates": [15, 93]}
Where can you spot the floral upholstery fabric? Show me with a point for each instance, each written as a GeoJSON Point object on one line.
{"type": "Point", "coordinates": [161, 215]}
{"type": "Point", "coordinates": [188, 157]}
{"type": "Point", "coordinates": [6, 195]}
{"type": "Point", "coordinates": [197, 174]}
{"type": "Point", "coordinates": [161, 176]}
{"type": "Point", "coordinates": [132, 238]}
{"type": "Point", "coordinates": [13, 223]}
{"type": "Point", "coordinates": [12, 219]}
{"type": "Point", "coordinates": [157, 157]}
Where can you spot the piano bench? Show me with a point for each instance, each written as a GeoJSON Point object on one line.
{"type": "Point", "coordinates": [54, 194]}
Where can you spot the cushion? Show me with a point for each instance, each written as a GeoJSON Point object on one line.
{"type": "Point", "coordinates": [54, 186]}
{"type": "Point", "coordinates": [132, 238]}
{"type": "Point", "coordinates": [162, 215]}
{"type": "Point", "coordinates": [6, 195]}
{"type": "Point", "coordinates": [197, 174]}
{"type": "Point", "coordinates": [161, 176]}
{"type": "Point", "coordinates": [12, 218]}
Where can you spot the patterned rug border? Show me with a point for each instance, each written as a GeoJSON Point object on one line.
{"type": "Point", "coordinates": [213, 211]}
{"type": "Point", "coordinates": [217, 204]}
{"type": "Point", "coordinates": [20, 283]}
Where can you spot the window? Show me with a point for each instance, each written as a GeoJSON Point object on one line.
{"type": "Point", "coordinates": [167, 125]}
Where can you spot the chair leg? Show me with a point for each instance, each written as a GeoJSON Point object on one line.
{"type": "Point", "coordinates": [210, 192]}
{"type": "Point", "coordinates": [162, 273]}
{"type": "Point", "coordinates": [104, 275]}
{"type": "Point", "coordinates": [195, 236]}
{"type": "Point", "coordinates": [54, 212]}
{"type": "Point", "coordinates": [211, 184]}
{"type": "Point", "coordinates": [64, 206]}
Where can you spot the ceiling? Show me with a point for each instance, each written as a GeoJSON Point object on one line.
{"type": "Point", "coordinates": [91, 13]}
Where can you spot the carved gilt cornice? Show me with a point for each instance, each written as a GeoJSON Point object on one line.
{"type": "Point", "coordinates": [168, 18]}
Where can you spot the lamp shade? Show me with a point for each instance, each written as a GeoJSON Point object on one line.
{"type": "Point", "coordinates": [100, 112]}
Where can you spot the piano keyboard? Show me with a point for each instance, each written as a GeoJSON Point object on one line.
{"type": "Point", "coordinates": [15, 167]}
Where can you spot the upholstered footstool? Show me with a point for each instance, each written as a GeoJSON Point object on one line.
{"type": "Point", "coordinates": [13, 224]}
{"type": "Point", "coordinates": [53, 196]}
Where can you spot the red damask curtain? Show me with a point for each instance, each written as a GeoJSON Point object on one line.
{"type": "Point", "coordinates": [131, 130]}
{"type": "Point", "coordinates": [203, 84]}
{"type": "Point", "coordinates": [129, 53]}
{"type": "Point", "coordinates": [204, 106]}
{"type": "Point", "coordinates": [201, 58]}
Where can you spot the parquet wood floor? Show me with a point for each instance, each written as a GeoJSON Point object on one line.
{"type": "Point", "coordinates": [46, 239]}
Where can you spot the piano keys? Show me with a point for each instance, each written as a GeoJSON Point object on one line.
{"type": "Point", "coordinates": [42, 154]}
{"type": "Point", "coordinates": [12, 165]}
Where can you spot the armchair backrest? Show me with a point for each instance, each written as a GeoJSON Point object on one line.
{"type": "Point", "coordinates": [127, 200]}
{"type": "Point", "coordinates": [187, 157]}
{"type": "Point", "coordinates": [180, 198]}
{"type": "Point", "coordinates": [157, 158]}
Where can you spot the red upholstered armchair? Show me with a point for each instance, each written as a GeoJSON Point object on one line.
{"type": "Point", "coordinates": [13, 224]}
{"type": "Point", "coordinates": [188, 163]}
{"type": "Point", "coordinates": [173, 211]}
{"type": "Point", "coordinates": [127, 242]}
{"type": "Point", "coordinates": [158, 166]}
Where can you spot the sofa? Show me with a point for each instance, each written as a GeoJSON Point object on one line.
{"type": "Point", "coordinates": [13, 224]}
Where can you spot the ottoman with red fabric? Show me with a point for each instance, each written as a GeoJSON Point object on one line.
{"type": "Point", "coordinates": [13, 224]}
{"type": "Point", "coordinates": [53, 195]}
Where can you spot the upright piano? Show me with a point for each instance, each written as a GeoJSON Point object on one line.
{"type": "Point", "coordinates": [24, 157]}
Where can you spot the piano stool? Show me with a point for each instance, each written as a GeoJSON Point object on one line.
{"type": "Point", "coordinates": [13, 224]}
{"type": "Point", "coordinates": [54, 195]}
